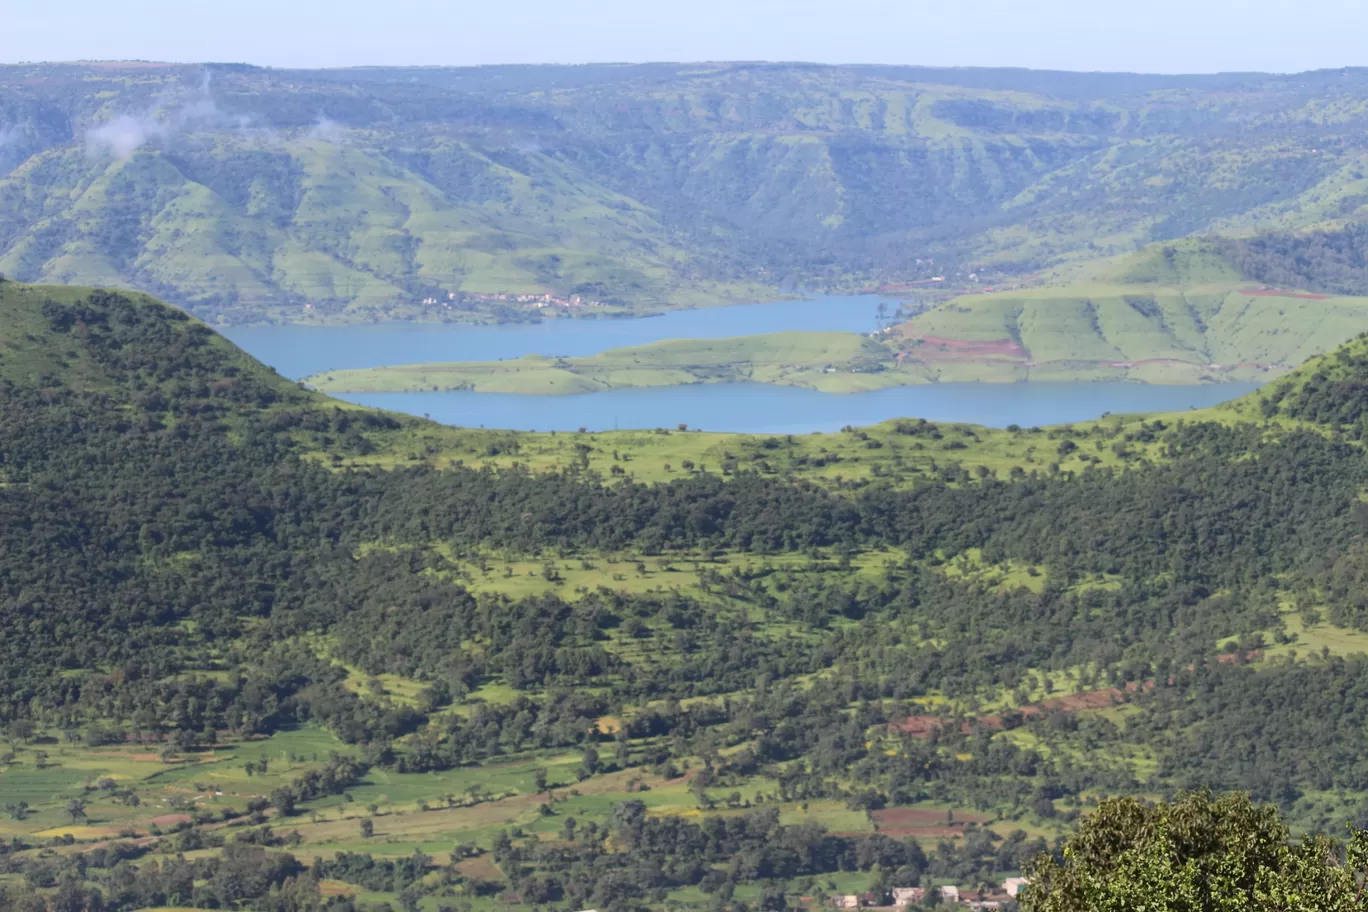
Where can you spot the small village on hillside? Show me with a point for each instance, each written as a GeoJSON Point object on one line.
{"type": "Point", "coordinates": [904, 897]}
{"type": "Point", "coordinates": [539, 301]}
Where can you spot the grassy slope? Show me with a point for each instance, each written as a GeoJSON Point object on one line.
{"type": "Point", "coordinates": [363, 237]}
{"type": "Point", "coordinates": [1176, 313]}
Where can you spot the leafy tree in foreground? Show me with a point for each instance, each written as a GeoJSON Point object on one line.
{"type": "Point", "coordinates": [1198, 854]}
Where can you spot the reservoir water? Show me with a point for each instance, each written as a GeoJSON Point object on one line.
{"type": "Point", "coordinates": [759, 408]}
{"type": "Point", "coordinates": [298, 351]}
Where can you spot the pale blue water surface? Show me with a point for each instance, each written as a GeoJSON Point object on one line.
{"type": "Point", "coordinates": [298, 351]}
{"type": "Point", "coordinates": [759, 408]}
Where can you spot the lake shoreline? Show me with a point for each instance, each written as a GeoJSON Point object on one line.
{"type": "Point", "coordinates": [862, 383]}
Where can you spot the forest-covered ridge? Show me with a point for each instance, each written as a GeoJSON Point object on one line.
{"type": "Point", "coordinates": [246, 194]}
{"type": "Point", "coordinates": [78, 338]}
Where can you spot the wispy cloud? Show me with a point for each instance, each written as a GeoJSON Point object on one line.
{"type": "Point", "coordinates": [327, 130]}
{"type": "Point", "coordinates": [127, 133]}
{"type": "Point", "coordinates": [124, 135]}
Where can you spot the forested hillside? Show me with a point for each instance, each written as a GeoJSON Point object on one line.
{"type": "Point", "coordinates": [248, 194]}
{"type": "Point", "coordinates": [260, 647]}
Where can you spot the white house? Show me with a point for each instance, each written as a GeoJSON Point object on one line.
{"type": "Point", "coordinates": [903, 896]}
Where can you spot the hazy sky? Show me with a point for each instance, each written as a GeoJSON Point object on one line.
{"type": "Point", "coordinates": [1146, 35]}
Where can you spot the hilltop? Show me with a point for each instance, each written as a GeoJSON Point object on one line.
{"type": "Point", "coordinates": [246, 194]}
{"type": "Point", "coordinates": [261, 647]}
{"type": "Point", "coordinates": [1186, 312]}
{"type": "Point", "coordinates": [120, 345]}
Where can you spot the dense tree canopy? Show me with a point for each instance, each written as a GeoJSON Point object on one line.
{"type": "Point", "coordinates": [1196, 854]}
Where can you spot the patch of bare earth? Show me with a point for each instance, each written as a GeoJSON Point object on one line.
{"type": "Point", "coordinates": [925, 726]}
{"type": "Point", "coordinates": [482, 867]}
{"type": "Point", "coordinates": [922, 823]}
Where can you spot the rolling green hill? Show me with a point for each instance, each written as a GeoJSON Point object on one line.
{"type": "Point", "coordinates": [1179, 313]}
{"type": "Point", "coordinates": [246, 194]}
{"type": "Point", "coordinates": [88, 341]}
{"type": "Point", "coordinates": [259, 647]}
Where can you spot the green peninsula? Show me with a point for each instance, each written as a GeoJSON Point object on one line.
{"type": "Point", "coordinates": [829, 361]}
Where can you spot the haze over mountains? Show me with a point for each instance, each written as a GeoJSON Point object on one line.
{"type": "Point", "coordinates": [245, 193]}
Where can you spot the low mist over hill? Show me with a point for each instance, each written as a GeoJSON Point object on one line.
{"type": "Point", "coordinates": [247, 194]}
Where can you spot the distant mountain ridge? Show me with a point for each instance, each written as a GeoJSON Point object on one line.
{"type": "Point", "coordinates": [246, 194]}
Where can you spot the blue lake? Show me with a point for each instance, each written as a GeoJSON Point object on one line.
{"type": "Point", "coordinates": [762, 409]}
{"type": "Point", "coordinates": [298, 351]}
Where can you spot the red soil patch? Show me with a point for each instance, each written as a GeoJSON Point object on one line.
{"type": "Point", "coordinates": [920, 823]}
{"type": "Point", "coordinates": [1279, 293]}
{"type": "Point", "coordinates": [919, 726]}
{"type": "Point", "coordinates": [923, 726]}
{"type": "Point", "coordinates": [1091, 699]}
